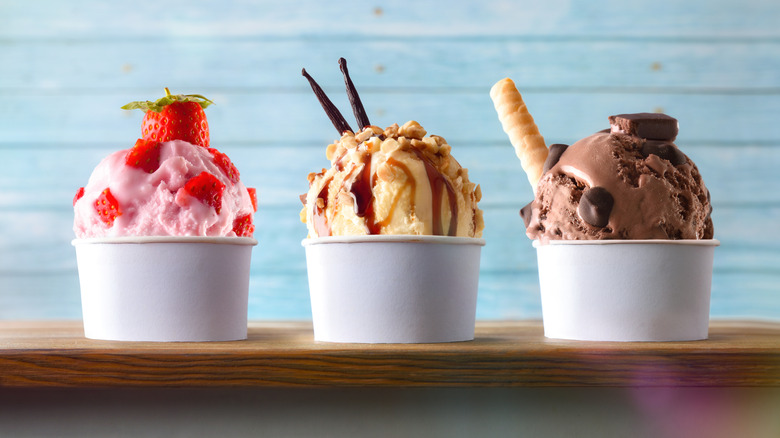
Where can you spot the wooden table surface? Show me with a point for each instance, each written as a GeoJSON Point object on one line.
{"type": "Point", "coordinates": [284, 354]}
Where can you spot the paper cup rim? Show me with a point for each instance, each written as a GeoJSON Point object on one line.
{"type": "Point", "coordinates": [678, 242]}
{"type": "Point", "coordinates": [166, 239]}
{"type": "Point", "coordinates": [394, 238]}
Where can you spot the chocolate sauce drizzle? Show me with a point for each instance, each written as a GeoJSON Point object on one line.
{"type": "Point", "coordinates": [333, 113]}
{"type": "Point", "coordinates": [362, 189]}
{"type": "Point", "coordinates": [362, 186]}
{"type": "Point", "coordinates": [321, 225]}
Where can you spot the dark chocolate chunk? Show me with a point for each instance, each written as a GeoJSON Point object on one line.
{"type": "Point", "coordinates": [595, 206]}
{"type": "Point", "coordinates": [651, 126]}
{"type": "Point", "coordinates": [526, 213]}
{"type": "Point", "coordinates": [667, 151]}
{"type": "Point", "coordinates": [553, 155]}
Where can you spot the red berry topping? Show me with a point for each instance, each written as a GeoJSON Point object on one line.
{"type": "Point", "coordinates": [253, 196]}
{"type": "Point", "coordinates": [144, 155]}
{"type": "Point", "coordinates": [207, 188]}
{"type": "Point", "coordinates": [107, 207]}
{"type": "Point", "coordinates": [225, 164]}
{"type": "Point", "coordinates": [243, 226]}
{"type": "Point", "coordinates": [175, 117]}
{"type": "Point", "coordinates": [78, 196]}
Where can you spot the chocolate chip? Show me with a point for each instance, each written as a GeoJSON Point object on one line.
{"type": "Point", "coordinates": [667, 151]}
{"type": "Point", "coordinates": [553, 155]}
{"type": "Point", "coordinates": [526, 213]}
{"type": "Point", "coordinates": [652, 126]}
{"type": "Point", "coordinates": [595, 206]}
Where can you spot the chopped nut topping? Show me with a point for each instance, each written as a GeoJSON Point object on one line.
{"type": "Point", "coordinates": [330, 152]}
{"type": "Point", "coordinates": [413, 129]}
{"type": "Point", "coordinates": [385, 172]}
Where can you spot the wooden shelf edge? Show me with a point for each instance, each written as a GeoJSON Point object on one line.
{"type": "Point", "coordinates": [283, 354]}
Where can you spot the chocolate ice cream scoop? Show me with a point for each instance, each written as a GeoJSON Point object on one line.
{"type": "Point", "coordinates": [630, 182]}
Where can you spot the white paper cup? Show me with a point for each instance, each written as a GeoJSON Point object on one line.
{"type": "Point", "coordinates": [626, 290]}
{"type": "Point", "coordinates": [164, 288]}
{"type": "Point", "coordinates": [393, 289]}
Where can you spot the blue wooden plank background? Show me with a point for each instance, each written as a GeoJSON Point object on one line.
{"type": "Point", "coordinates": [67, 67]}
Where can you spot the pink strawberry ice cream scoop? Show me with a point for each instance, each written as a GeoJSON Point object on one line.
{"type": "Point", "coordinates": [173, 188]}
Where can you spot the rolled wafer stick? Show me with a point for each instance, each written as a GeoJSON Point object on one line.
{"type": "Point", "coordinates": [520, 127]}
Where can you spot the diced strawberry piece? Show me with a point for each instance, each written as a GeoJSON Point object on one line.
{"type": "Point", "coordinates": [144, 155]}
{"type": "Point", "coordinates": [225, 164]}
{"type": "Point", "coordinates": [243, 226]}
{"type": "Point", "coordinates": [107, 207]}
{"type": "Point", "coordinates": [207, 188]}
{"type": "Point", "coordinates": [253, 196]}
{"type": "Point", "coordinates": [79, 195]}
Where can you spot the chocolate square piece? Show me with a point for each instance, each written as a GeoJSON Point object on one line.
{"type": "Point", "coordinates": [651, 126]}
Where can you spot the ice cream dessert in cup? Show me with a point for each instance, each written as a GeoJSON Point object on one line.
{"type": "Point", "coordinates": [394, 234]}
{"type": "Point", "coordinates": [164, 234]}
{"type": "Point", "coordinates": [621, 221]}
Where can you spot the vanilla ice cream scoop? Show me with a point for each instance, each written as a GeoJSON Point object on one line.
{"type": "Point", "coordinates": [392, 181]}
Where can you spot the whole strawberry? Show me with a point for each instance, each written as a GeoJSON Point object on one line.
{"type": "Point", "coordinates": [174, 117]}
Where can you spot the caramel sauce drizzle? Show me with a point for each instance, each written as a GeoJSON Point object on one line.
{"type": "Point", "coordinates": [438, 182]}
{"type": "Point", "coordinates": [362, 191]}
{"type": "Point", "coordinates": [410, 182]}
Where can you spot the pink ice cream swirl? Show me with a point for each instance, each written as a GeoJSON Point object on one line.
{"type": "Point", "coordinates": [161, 203]}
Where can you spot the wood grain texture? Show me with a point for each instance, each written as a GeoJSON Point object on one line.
{"type": "Point", "coordinates": [462, 117]}
{"type": "Point", "coordinates": [67, 67]}
{"type": "Point", "coordinates": [306, 18]}
{"type": "Point", "coordinates": [738, 353]}
{"type": "Point", "coordinates": [265, 64]}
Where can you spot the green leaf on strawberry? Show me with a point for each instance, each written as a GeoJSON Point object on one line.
{"type": "Point", "coordinates": [158, 105]}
